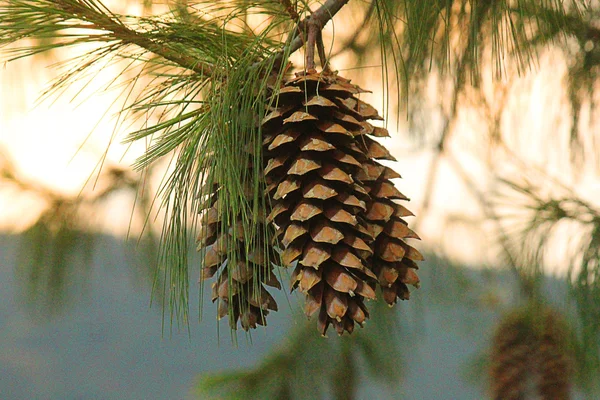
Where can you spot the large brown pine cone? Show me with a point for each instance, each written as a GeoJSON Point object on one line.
{"type": "Point", "coordinates": [332, 202]}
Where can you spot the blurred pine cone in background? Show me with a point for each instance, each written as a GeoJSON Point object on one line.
{"type": "Point", "coordinates": [530, 354]}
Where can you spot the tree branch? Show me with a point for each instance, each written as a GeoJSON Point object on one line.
{"type": "Point", "coordinates": [297, 37]}
{"type": "Point", "coordinates": [352, 41]}
{"type": "Point", "coordinates": [463, 66]}
{"type": "Point", "coordinates": [105, 22]}
{"type": "Point", "coordinates": [526, 283]}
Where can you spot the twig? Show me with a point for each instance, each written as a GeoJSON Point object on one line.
{"type": "Point", "coordinates": [326, 12]}
{"type": "Point", "coordinates": [297, 38]}
{"type": "Point", "coordinates": [351, 42]}
{"type": "Point", "coordinates": [291, 9]}
{"type": "Point", "coordinates": [526, 283]}
{"type": "Point", "coordinates": [321, 50]}
{"type": "Point", "coordinates": [311, 41]}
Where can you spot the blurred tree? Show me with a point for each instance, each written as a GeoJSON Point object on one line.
{"type": "Point", "coordinates": [55, 252]}
{"type": "Point", "coordinates": [333, 370]}
{"type": "Point", "coordinates": [215, 65]}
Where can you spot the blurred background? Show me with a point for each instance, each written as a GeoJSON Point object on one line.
{"type": "Point", "coordinates": [502, 168]}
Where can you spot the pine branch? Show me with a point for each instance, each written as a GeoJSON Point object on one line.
{"type": "Point", "coordinates": [319, 19]}
{"type": "Point", "coordinates": [63, 14]}
{"type": "Point", "coordinates": [105, 22]}
{"type": "Point", "coordinates": [327, 11]}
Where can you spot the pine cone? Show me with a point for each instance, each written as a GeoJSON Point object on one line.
{"type": "Point", "coordinates": [529, 350]}
{"type": "Point", "coordinates": [317, 148]}
{"type": "Point", "coordinates": [241, 279]}
{"type": "Point", "coordinates": [554, 364]}
{"type": "Point", "coordinates": [393, 260]}
{"type": "Point", "coordinates": [512, 355]}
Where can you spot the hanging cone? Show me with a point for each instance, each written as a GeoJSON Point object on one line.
{"type": "Point", "coordinates": [529, 351]}
{"type": "Point", "coordinates": [554, 364]}
{"type": "Point", "coordinates": [511, 360]}
{"type": "Point", "coordinates": [317, 147]}
{"type": "Point", "coordinates": [239, 264]}
{"type": "Point", "coordinates": [394, 261]}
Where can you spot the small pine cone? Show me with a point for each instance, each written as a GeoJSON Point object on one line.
{"type": "Point", "coordinates": [529, 350]}
{"type": "Point", "coordinates": [511, 358]}
{"type": "Point", "coordinates": [240, 280]}
{"type": "Point", "coordinates": [553, 361]}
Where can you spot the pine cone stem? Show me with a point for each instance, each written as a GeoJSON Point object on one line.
{"type": "Point", "coordinates": [313, 32]}
{"type": "Point", "coordinates": [321, 50]}
{"type": "Point", "coordinates": [297, 38]}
